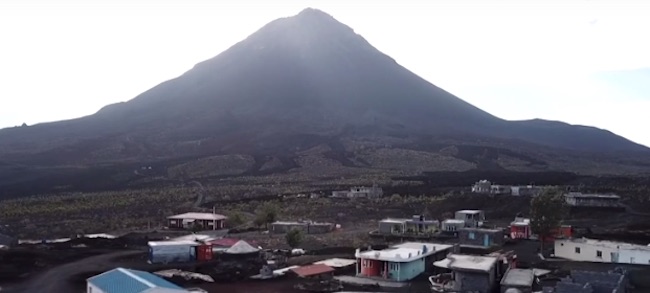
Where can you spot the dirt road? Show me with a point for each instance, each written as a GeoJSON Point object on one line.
{"type": "Point", "coordinates": [55, 280]}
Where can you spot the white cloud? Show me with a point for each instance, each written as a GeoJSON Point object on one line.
{"type": "Point", "coordinates": [516, 59]}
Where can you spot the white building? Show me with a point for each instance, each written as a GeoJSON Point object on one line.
{"type": "Point", "coordinates": [483, 186]}
{"type": "Point", "coordinates": [602, 251]}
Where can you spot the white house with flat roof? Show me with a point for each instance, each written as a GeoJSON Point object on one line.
{"type": "Point", "coordinates": [591, 250]}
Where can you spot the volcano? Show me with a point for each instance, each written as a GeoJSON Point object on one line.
{"type": "Point", "coordinates": [299, 83]}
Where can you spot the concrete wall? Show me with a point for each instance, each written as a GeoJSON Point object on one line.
{"type": "Point", "coordinates": [634, 256]}
{"type": "Point", "coordinates": [389, 227]}
{"type": "Point", "coordinates": [410, 270]}
{"type": "Point", "coordinates": [477, 237]}
{"type": "Point", "coordinates": [475, 282]}
{"type": "Point", "coordinates": [306, 228]}
{"type": "Point", "coordinates": [284, 228]}
{"type": "Point", "coordinates": [591, 201]}
{"type": "Point", "coordinates": [453, 227]}
{"type": "Point", "coordinates": [320, 228]}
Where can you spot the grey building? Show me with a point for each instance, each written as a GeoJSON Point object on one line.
{"type": "Point", "coordinates": [520, 279]}
{"type": "Point", "coordinates": [529, 190]}
{"type": "Point", "coordinates": [307, 227]}
{"type": "Point", "coordinates": [472, 218]}
{"type": "Point", "coordinates": [577, 199]}
{"type": "Point", "coordinates": [591, 282]}
{"type": "Point", "coordinates": [416, 225]}
{"type": "Point", "coordinates": [480, 237]}
{"type": "Point", "coordinates": [469, 273]}
{"type": "Point", "coordinates": [452, 225]}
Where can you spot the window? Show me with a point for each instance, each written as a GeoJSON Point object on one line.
{"type": "Point", "coordinates": [471, 235]}
{"type": "Point", "coordinates": [577, 249]}
{"type": "Point", "coordinates": [599, 254]}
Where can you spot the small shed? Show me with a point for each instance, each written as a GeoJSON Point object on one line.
{"type": "Point", "coordinates": [520, 279]}
{"type": "Point", "coordinates": [314, 271]}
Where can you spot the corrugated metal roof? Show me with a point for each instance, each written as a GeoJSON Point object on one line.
{"type": "Point", "coordinates": [312, 270]}
{"type": "Point", "coordinates": [223, 242]}
{"type": "Point", "coordinates": [123, 280]}
{"type": "Point", "coordinates": [173, 243]}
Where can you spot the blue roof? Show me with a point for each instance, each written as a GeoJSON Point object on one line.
{"type": "Point", "coordinates": [123, 280]}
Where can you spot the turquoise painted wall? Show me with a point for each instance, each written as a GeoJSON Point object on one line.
{"type": "Point", "coordinates": [405, 271]}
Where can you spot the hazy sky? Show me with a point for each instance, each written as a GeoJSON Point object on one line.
{"type": "Point", "coordinates": [583, 62]}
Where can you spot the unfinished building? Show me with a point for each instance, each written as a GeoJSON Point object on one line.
{"type": "Point", "coordinates": [591, 282]}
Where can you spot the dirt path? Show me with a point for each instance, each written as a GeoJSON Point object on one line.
{"type": "Point", "coordinates": [55, 280]}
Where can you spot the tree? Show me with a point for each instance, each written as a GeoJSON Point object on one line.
{"type": "Point", "coordinates": [260, 220]}
{"type": "Point", "coordinates": [547, 212]}
{"type": "Point", "coordinates": [196, 227]}
{"type": "Point", "coordinates": [293, 238]}
{"type": "Point", "coordinates": [235, 220]}
{"type": "Point", "coordinates": [266, 214]}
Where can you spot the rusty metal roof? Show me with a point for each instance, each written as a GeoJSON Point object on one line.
{"type": "Point", "coordinates": [223, 242]}
{"type": "Point", "coordinates": [312, 270]}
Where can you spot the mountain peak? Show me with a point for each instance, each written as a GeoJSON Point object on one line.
{"type": "Point", "coordinates": [313, 12]}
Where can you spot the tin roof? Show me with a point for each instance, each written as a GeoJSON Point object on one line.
{"type": "Point", "coordinates": [172, 243]}
{"type": "Point", "coordinates": [198, 216]}
{"type": "Point", "coordinates": [123, 280]}
{"type": "Point", "coordinates": [312, 270]}
{"type": "Point", "coordinates": [223, 242]}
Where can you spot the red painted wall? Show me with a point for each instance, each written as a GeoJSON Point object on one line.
{"type": "Point", "coordinates": [204, 252]}
{"type": "Point", "coordinates": [520, 232]}
{"type": "Point", "coordinates": [370, 268]}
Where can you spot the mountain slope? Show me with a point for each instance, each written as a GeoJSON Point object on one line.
{"type": "Point", "coordinates": [295, 83]}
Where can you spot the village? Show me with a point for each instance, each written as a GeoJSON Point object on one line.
{"type": "Point", "coordinates": [464, 252]}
